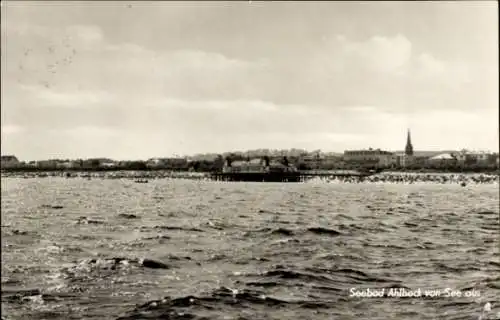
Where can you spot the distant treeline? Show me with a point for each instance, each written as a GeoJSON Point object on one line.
{"type": "Point", "coordinates": [217, 164]}
{"type": "Point", "coordinates": [300, 159]}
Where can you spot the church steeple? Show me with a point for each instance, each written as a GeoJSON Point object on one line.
{"type": "Point", "coordinates": [409, 146]}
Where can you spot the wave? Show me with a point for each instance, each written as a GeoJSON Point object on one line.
{"type": "Point", "coordinates": [222, 300]}
{"type": "Point", "coordinates": [324, 231]}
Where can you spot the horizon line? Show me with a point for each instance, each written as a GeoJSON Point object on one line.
{"type": "Point", "coordinates": [252, 150]}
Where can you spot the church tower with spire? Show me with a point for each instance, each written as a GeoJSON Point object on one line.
{"type": "Point", "coordinates": [409, 146]}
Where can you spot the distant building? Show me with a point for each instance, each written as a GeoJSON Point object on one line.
{"type": "Point", "coordinates": [330, 161]}
{"type": "Point", "coordinates": [376, 157]}
{"type": "Point", "coordinates": [95, 163]}
{"type": "Point", "coordinates": [171, 163]}
{"type": "Point", "coordinates": [76, 164]}
{"type": "Point", "coordinates": [420, 161]}
{"type": "Point", "coordinates": [257, 165]}
{"type": "Point", "coordinates": [254, 165]}
{"type": "Point", "coordinates": [200, 157]}
{"type": "Point", "coordinates": [401, 159]}
{"type": "Point", "coordinates": [481, 158]}
{"type": "Point", "coordinates": [9, 162]}
{"type": "Point", "coordinates": [461, 157]}
{"type": "Point", "coordinates": [313, 160]}
{"type": "Point", "coordinates": [64, 164]}
{"type": "Point", "coordinates": [409, 145]}
{"type": "Point", "coordinates": [47, 164]}
{"type": "Point", "coordinates": [407, 157]}
{"type": "Point", "coordinates": [31, 164]}
{"type": "Point", "coordinates": [444, 159]}
{"type": "Point", "coordinates": [108, 164]}
{"type": "Point", "coordinates": [154, 163]}
{"type": "Point", "coordinates": [123, 164]}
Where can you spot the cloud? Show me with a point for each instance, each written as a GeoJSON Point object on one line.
{"type": "Point", "coordinates": [87, 36]}
{"type": "Point", "coordinates": [81, 58]}
{"type": "Point", "coordinates": [43, 97]}
{"type": "Point", "coordinates": [187, 127]}
{"type": "Point", "coordinates": [77, 35]}
{"type": "Point", "coordinates": [430, 66]}
{"type": "Point", "coordinates": [11, 129]}
{"type": "Point", "coordinates": [90, 77]}
{"type": "Point", "coordinates": [91, 132]}
{"type": "Point", "coordinates": [380, 54]}
{"type": "Point", "coordinates": [386, 72]}
{"type": "Point", "coordinates": [383, 71]}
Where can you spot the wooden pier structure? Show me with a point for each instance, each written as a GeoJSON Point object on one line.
{"type": "Point", "coordinates": [291, 176]}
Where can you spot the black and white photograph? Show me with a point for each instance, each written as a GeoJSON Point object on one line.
{"type": "Point", "coordinates": [250, 160]}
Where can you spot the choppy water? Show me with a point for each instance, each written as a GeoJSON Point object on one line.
{"type": "Point", "coordinates": [73, 249]}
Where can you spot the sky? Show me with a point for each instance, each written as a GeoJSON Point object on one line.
{"type": "Point", "coordinates": [134, 80]}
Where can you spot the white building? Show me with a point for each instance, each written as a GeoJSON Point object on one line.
{"type": "Point", "coordinates": [371, 156]}
{"type": "Point", "coordinates": [443, 159]}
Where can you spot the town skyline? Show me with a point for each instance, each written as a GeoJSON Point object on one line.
{"type": "Point", "coordinates": [129, 80]}
{"type": "Point", "coordinates": [276, 151]}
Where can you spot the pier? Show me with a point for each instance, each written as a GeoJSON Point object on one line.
{"type": "Point", "coordinates": [292, 176]}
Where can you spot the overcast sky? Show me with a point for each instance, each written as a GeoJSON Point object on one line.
{"type": "Point", "coordinates": [137, 80]}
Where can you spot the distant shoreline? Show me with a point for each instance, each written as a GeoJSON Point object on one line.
{"type": "Point", "coordinates": [102, 171]}
{"type": "Point", "coordinates": [199, 175]}
{"type": "Point", "coordinates": [20, 171]}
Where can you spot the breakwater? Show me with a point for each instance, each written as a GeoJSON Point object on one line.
{"type": "Point", "coordinates": [411, 178]}
{"type": "Point", "coordinates": [397, 177]}
{"type": "Point", "coordinates": [119, 174]}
